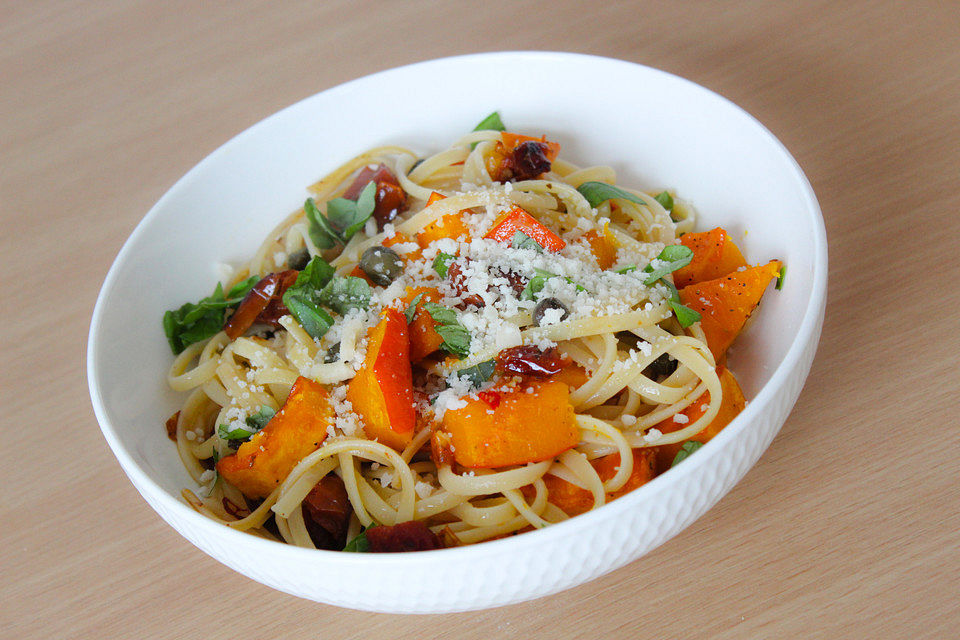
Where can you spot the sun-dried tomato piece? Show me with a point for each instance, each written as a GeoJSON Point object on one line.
{"type": "Point", "coordinates": [172, 426]}
{"type": "Point", "coordinates": [528, 360]}
{"type": "Point", "coordinates": [327, 512]}
{"type": "Point", "coordinates": [492, 398]}
{"type": "Point", "coordinates": [459, 282]}
{"type": "Point", "coordinates": [406, 536]}
{"type": "Point", "coordinates": [529, 160]}
{"type": "Point", "coordinates": [263, 303]}
{"type": "Point", "coordinates": [390, 199]}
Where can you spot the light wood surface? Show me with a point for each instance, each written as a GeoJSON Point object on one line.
{"type": "Point", "coordinates": [847, 527]}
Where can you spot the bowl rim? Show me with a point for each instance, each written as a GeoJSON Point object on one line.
{"type": "Point", "coordinates": [807, 331]}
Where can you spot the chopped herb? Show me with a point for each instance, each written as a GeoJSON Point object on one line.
{"type": "Point", "coordinates": [597, 193]}
{"type": "Point", "coordinates": [780, 277]}
{"type": "Point", "coordinates": [479, 373]}
{"type": "Point", "coordinates": [686, 450]}
{"type": "Point", "coordinates": [412, 308]}
{"type": "Point", "coordinates": [685, 315]}
{"type": "Point", "coordinates": [315, 275]}
{"type": "Point", "coordinates": [235, 436]}
{"type": "Point", "coordinates": [521, 240]}
{"type": "Point", "coordinates": [626, 269]}
{"type": "Point", "coordinates": [673, 257]}
{"type": "Point", "coordinates": [441, 263]}
{"type": "Point", "coordinates": [344, 217]}
{"type": "Point", "coordinates": [344, 293]}
{"type": "Point", "coordinates": [360, 544]}
{"type": "Point", "coordinates": [666, 200]}
{"type": "Point", "coordinates": [456, 338]}
{"type": "Point", "coordinates": [313, 319]}
{"type": "Point", "coordinates": [196, 322]}
{"type": "Point", "coordinates": [539, 281]}
{"type": "Point", "coordinates": [260, 419]}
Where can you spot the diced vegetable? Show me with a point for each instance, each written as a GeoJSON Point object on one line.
{"type": "Point", "coordinates": [516, 219]}
{"type": "Point", "coordinates": [382, 391]}
{"type": "Point", "coordinates": [263, 303]}
{"type": "Point", "coordinates": [449, 226]}
{"type": "Point", "coordinates": [389, 200]}
{"type": "Point", "coordinates": [405, 536]}
{"type": "Point", "coordinates": [523, 427]}
{"type": "Point", "coordinates": [326, 513]}
{"type": "Point", "coordinates": [298, 429]}
{"type": "Point", "coordinates": [424, 339]}
{"type": "Point", "coordinates": [400, 238]}
{"type": "Point", "coordinates": [732, 404]}
{"type": "Point", "coordinates": [725, 304]}
{"type": "Point", "coordinates": [602, 246]}
{"type": "Point", "coordinates": [714, 255]}
{"type": "Point", "coordinates": [519, 157]}
{"type": "Point", "coordinates": [513, 140]}
{"type": "Point", "coordinates": [573, 500]}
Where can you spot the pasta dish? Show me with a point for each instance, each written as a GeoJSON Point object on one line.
{"type": "Point", "coordinates": [437, 351]}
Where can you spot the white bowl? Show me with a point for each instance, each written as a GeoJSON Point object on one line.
{"type": "Point", "coordinates": [656, 129]}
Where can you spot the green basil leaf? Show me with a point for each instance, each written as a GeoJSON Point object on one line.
{"type": "Point", "coordinates": [597, 193]}
{"type": "Point", "coordinates": [780, 277]}
{"type": "Point", "coordinates": [441, 263]}
{"type": "Point", "coordinates": [341, 213]}
{"type": "Point", "coordinates": [260, 419]}
{"type": "Point", "coordinates": [665, 200]}
{"type": "Point", "coordinates": [319, 229]}
{"type": "Point", "coordinates": [685, 315]}
{"type": "Point", "coordinates": [315, 275]}
{"type": "Point", "coordinates": [239, 434]}
{"type": "Point", "coordinates": [311, 317]}
{"type": "Point", "coordinates": [626, 269]}
{"type": "Point", "coordinates": [360, 544]}
{"type": "Point", "coordinates": [536, 284]}
{"type": "Point", "coordinates": [491, 123]}
{"type": "Point", "coordinates": [344, 293]}
{"type": "Point", "coordinates": [521, 240]}
{"type": "Point", "coordinates": [456, 339]}
{"type": "Point", "coordinates": [196, 322]}
{"type": "Point", "coordinates": [479, 373]}
{"type": "Point", "coordinates": [673, 257]}
{"type": "Point", "coordinates": [366, 203]}
{"type": "Point", "coordinates": [440, 313]}
{"type": "Point", "coordinates": [412, 308]}
{"type": "Point", "coordinates": [685, 452]}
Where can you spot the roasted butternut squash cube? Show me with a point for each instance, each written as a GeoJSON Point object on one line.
{"type": "Point", "coordinates": [382, 390]}
{"type": "Point", "coordinates": [714, 255]}
{"type": "Point", "coordinates": [449, 226]}
{"type": "Point", "coordinates": [424, 338]}
{"type": "Point", "coordinates": [522, 427]}
{"type": "Point", "coordinates": [297, 430]}
{"type": "Point", "coordinates": [602, 246]}
{"type": "Point", "coordinates": [573, 500]}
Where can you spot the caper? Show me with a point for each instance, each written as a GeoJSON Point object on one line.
{"type": "Point", "coordinates": [381, 264]}
{"type": "Point", "coordinates": [545, 305]}
{"type": "Point", "coordinates": [299, 259]}
{"type": "Point", "coordinates": [660, 368]}
{"type": "Point", "coordinates": [332, 354]}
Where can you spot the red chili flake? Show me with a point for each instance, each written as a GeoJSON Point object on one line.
{"type": "Point", "coordinates": [263, 303]}
{"type": "Point", "coordinates": [406, 536]}
{"type": "Point", "coordinates": [528, 360]}
{"type": "Point", "coordinates": [492, 398]}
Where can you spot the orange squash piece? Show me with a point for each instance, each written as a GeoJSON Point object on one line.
{"type": "Point", "coordinates": [573, 500]}
{"type": "Point", "coordinates": [511, 141]}
{"type": "Point", "coordinates": [382, 391]}
{"type": "Point", "coordinates": [297, 430]}
{"type": "Point", "coordinates": [602, 246]}
{"type": "Point", "coordinates": [516, 219]}
{"type": "Point", "coordinates": [523, 427]}
{"type": "Point", "coordinates": [402, 238]}
{"type": "Point", "coordinates": [725, 304]}
{"type": "Point", "coordinates": [732, 404]}
{"type": "Point", "coordinates": [448, 226]}
{"type": "Point", "coordinates": [424, 339]}
{"type": "Point", "coordinates": [714, 255]}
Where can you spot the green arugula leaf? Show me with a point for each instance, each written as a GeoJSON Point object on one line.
{"type": "Point", "coordinates": [780, 277]}
{"type": "Point", "coordinates": [673, 257]}
{"type": "Point", "coordinates": [360, 544]}
{"type": "Point", "coordinates": [344, 293]}
{"type": "Point", "coordinates": [441, 263]}
{"type": "Point", "coordinates": [412, 308]}
{"type": "Point", "coordinates": [665, 200]}
{"type": "Point", "coordinates": [456, 338]}
{"type": "Point", "coordinates": [521, 240]}
{"type": "Point", "coordinates": [479, 373]}
{"type": "Point", "coordinates": [597, 193]}
{"type": "Point", "coordinates": [196, 322]}
{"type": "Point", "coordinates": [491, 123]}
{"type": "Point", "coordinates": [314, 320]}
{"type": "Point", "coordinates": [319, 229]}
{"type": "Point", "coordinates": [685, 452]}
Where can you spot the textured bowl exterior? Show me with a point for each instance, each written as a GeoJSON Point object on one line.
{"type": "Point", "coordinates": [504, 571]}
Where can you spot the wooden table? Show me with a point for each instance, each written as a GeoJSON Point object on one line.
{"type": "Point", "coordinates": [847, 527]}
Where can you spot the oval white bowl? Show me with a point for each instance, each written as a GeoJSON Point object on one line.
{"type": "Point", "coordinates": [656, 129]}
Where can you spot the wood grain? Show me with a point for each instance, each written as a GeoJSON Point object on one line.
{"type": "Point", "coordinates": [847, 527]}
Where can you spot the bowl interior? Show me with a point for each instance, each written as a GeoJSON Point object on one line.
{"type": "Point", "coordinates": [655, 129]}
